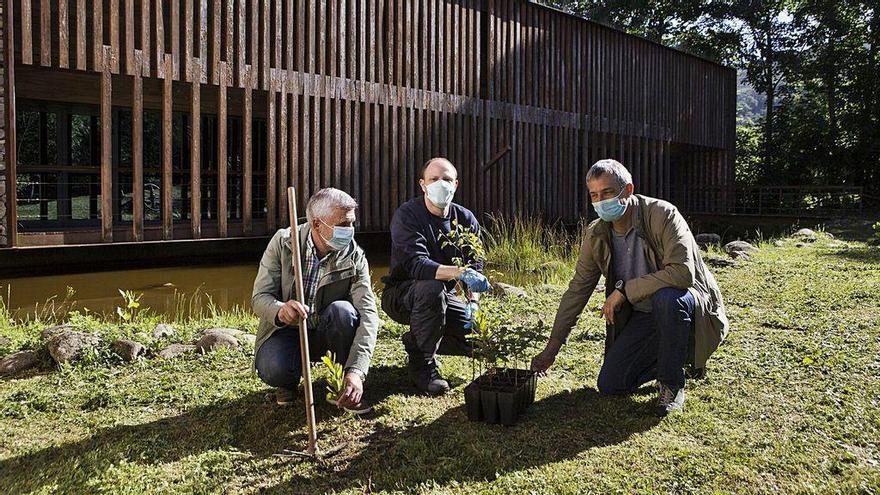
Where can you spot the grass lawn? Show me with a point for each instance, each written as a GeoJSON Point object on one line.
{"type": "Point", "coordinates": [791, 404]}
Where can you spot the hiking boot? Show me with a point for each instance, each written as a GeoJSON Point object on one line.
{"type": "Point", "coordinates": [669, 400]}
{"type": "Point", "coordinates": [425, 375]}
{"type": "Point", "coordinates": [284, 397]}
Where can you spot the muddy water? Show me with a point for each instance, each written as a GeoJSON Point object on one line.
{"type": "Point", "coordinates": [164, 290]}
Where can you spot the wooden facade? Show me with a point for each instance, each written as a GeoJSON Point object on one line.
{"type": "Point", "coordinates": [355, 94]}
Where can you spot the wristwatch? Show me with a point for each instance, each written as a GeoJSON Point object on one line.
{"type": "Point", "coordinates": [621, 286]}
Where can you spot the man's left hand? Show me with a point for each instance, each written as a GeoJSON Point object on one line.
{"type": "Point", "coordinates": [612, 304]}
{"type": "Point", "coordinates": [352, 392]}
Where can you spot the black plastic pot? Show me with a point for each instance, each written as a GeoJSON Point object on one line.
{"type": "Point", "coordinates": [500, 395]}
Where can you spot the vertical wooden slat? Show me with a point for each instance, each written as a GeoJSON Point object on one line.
{"type": "Point", "coordinates": [137, 150]}
{"type": "Point", "coordinates": [80, 34]}
{"type": "Point", "coordinates": [222, 212]}
{"type": "Point", "coordinates": [63, 35]}
{"type": "Point", "coordinates": [175, 41]}
{"type": "Point", "coordinates": [106, 146]}
{"type": "Point", "coordinates": [247, 151]}
{"type": "Point", "coordinates": [160, 40]}
{"type": "Point", "coordinates": [203, 40]}
{"type": "Point", "coordinates": [282, 147]}
{"type": "Point", "coordinates": [270, 153]}
{"type": "Point", "coordinates": [11, 139]}
{"type": "Point", "coordinates": [129, 36]}
{"type": "Point", "coordinates": [167, 185]}
{"type": "Point", "coordinates": [45, 33]}
{"type": "Point", "coordinates": [27, 48]}
{"type": "Point", "coordinates": [195, 166]}
{"type": "Point", "coordinates": [145, 38]}
{"type": "Point", "coordinates": [216, 35]}
{"type": "Point", "coordinates": [114, 33]}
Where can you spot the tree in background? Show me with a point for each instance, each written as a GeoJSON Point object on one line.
{"type": "Point", "coordinates": [812, 64]}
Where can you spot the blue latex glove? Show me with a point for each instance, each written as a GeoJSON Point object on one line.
{"type": "Point", "coordinates": [470, 312]}
{"type": "Point", "coordinates": [476, 281]}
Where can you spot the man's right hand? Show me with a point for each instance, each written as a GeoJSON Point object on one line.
{"type": "Point", "coordinates": [293, 312]}
{"type": "Point", "coordinates": [545, 358]}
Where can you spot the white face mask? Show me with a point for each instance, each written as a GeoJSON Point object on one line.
{"type": "Point", "coordinates": [440, 193]}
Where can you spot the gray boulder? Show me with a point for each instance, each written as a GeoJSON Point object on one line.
{"type": "Point", "coordinates": [806, 235]}
{"type": "Point", "coordinates": [175, 350]}
{"type": "Point", "coordinates": [211, 341]}
{"type": "Point", "coordinates": [706, 240]}
{"type": "Point", "coordinates": [68, 345]}
{"type": "Point", "coordinates": [248, 339]}
{"type": "Point", "coordinates": [739, 249]}
{"type": "Point", "coordinates": [3, 340]}
{"type": "Point", "coordinates": [48, 332]}
{"type": "Point", "coordinates": [128, 350]}
{"type": "Point", "coordinates": [506, 290]}
{"type": "Point", "coordinates": [18, 361]}
{"type": "Point", "coordinates": [779, 243]}
{"type": "Point", "coordinates": [163, 330]}
{"type": "Point", "coordinates": [232, 332]}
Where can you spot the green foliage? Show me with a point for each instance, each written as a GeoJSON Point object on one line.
{"type": "Point", "coordinates": [466, 243]}
{"type": "Point", "coordinates": [335, 376]}
{"type": "Point", "coordinates": [526, 250]}
{"type": "Point", "coordinates": [132, 300]}
{"type": "Point", "coordinates": [500, 338]}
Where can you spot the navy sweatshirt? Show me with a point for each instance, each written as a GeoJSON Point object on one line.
{"type": "Point", "coordinates": [416, 241]}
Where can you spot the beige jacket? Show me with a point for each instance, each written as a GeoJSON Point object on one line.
{"type": "Point", "coordinates": [674, 259]}
{"type": "Point", "coordinates": [346, 278]}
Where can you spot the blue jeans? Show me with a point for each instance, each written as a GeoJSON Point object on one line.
{"type": "Point", "coordinates": [651, 346]}
{"type": "Point", "coordinates": [278, 361]}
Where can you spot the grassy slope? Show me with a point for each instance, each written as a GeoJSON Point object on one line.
{"type": "Point", "coordinates": [790, 404]}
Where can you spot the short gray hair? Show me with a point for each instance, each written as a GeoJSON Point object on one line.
{"type": "Point", "coordinates": [323, 203]}
{"type": "Point", "coordinates": [613, 167]}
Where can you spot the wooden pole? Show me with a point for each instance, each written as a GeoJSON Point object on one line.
{"type": "Point", "coordinates": [303, 330]}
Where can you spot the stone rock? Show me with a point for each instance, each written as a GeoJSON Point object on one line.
{"type": "Point", "coordinates": [128, 350]}
{"type": "Point", "coordinates": [779, 243]}
{"type": "Point", "coordinates": [48, 332]}
{"type": "Point", "coordinates": [163, 330]}
{"type": "Point", "coordinates": [706, 240]}
{"type": "Point", "coordinates": [805, 235]}
{"type": "Point", "coordinates": [249, 339]}
{"type": "Point", "coordinates": [68, 345]}
{"type": "Point", "coordinates": [3, 340]}
{"type": "Point", "coordinates": [739, 249]}
{"type": "Point", "coordinates": [18, 361]}
{"type": "Point", "coordinates": [232, 332]}
{"type": "Point", "coordinates": [507, 290]}
{"type": "Point", "coordinates": [175, 350]}
{"type": "Point", "coordinates": [215, 340]}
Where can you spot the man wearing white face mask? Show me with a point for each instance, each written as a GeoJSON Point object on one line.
{"type": "Point", "coordinates": [340, 307]}
{"type": "Point", "coordinates": [663, 308]}
{"type": "Point", "coordinates": [419, 290]}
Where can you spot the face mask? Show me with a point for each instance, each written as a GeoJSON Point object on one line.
{"type": "Point", "coordinates": [342, 237]}
{"type": "Point", "coordinates": [440, 193]}
{"type": "Point", "coordinates": [610, 209]}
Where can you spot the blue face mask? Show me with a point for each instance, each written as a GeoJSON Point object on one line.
{"type": "Point", "coordinates": [342, 237]}
{"type": "Point", "coordinates": [611, 209]}
{"type": "Point", "coordinates": [440, 193]}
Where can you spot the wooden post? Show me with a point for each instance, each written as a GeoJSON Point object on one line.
{"type": "Point", "coordinates": [11, 152]}
{"type": "Point", "coordinates": [137, 149]}
{"type": "Point", "coordinates": [106, 147]}
{"type": "Point", "coordinates": [303, 327]}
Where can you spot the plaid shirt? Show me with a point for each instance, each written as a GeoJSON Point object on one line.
{"type": "Point", "coordinates": [312, 271]}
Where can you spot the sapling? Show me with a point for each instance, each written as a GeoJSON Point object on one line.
{"type": "Point", "coordinates": [469, 250]}
{"type": "Point", "coordinates": [335, 377]}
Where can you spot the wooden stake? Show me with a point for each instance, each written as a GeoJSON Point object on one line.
{"type": "Point", "coordinates": [303, 330]}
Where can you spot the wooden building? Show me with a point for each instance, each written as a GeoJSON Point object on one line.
{"type": "Point", "coordinates": [100, 97]}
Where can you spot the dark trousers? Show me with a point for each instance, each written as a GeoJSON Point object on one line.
{"type": "Point", "coordinates": [651, 346]}
{"type": "Point", "coordinates": [435, 316]}
{"type": "Point", "coordinates": [278, 361]}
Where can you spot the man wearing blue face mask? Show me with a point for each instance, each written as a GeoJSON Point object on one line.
{"type": "Point", "coordinates": [663, 308]}
{"type": "Point", "coordinates": [419, 290]}
{"type": "Point", "coordinates": [340, 307]}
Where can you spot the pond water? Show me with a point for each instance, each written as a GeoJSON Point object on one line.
{"type": "Point", "coordinates": [164, 290]}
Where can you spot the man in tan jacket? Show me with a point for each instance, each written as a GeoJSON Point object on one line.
{"type": "Point", "coordinates": [340, 307]}
{"type": "Point", "coordinates": [663, 309]}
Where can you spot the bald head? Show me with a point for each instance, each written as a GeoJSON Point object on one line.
{"type": "Point", "coordinates": [439, 168]}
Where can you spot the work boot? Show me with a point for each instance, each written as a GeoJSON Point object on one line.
{"type": "Point", "coordinates": [425, 375]}
{"type": "Point", "coordinates": [669, 400]}
{"type": "Point", "coordinates": [284, 396]}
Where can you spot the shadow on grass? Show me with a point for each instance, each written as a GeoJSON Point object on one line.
{"type": "Point", "coordinates": [867, 254]}
{"type": "Point", "coordinates": [252, 424]}
{"type": "Point", "coordinates": [452, 449]}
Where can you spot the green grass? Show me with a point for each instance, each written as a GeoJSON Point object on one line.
{"type": "Point", "coordinates": [791, 404]}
